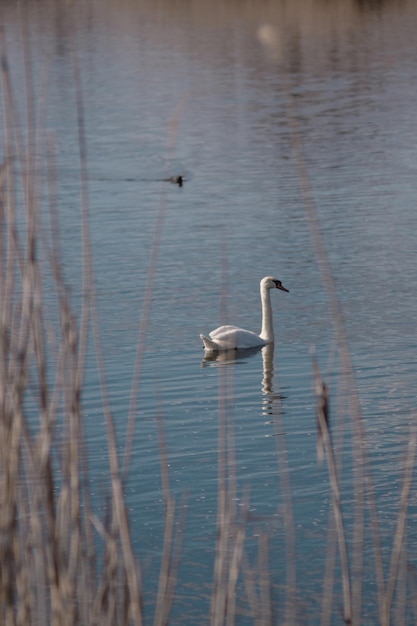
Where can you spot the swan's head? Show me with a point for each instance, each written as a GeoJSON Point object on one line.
{"type": "Point", "coordinates": [269, 282]}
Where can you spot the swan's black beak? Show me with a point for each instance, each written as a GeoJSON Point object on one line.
{"type": "Point", "coordinates": [279, 285]}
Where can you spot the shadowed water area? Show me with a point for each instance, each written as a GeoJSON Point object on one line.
{"type": "Point", "coordinates": [262, 108]}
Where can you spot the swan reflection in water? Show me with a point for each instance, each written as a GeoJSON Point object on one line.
{"type": "Point", "coordinates": [271, 402]}
{"type": "Point", "coordinates": [226, 357]}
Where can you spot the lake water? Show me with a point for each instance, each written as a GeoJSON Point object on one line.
{"type": "Point", "coordinates": [211, 92]}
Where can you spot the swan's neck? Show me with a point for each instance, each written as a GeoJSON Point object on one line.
{"type": "Point", "coordinates": [267, 332]}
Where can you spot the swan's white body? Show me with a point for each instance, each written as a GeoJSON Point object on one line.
{"type": "Point", "coordinates": [235, 338]}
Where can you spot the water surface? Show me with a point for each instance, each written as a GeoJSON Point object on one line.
{"type": "Point", "coordinates": [167, 92]}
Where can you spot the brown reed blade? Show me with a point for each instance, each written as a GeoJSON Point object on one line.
{"type": "Point", "coordinates": [147, 302]}
{"type": "Point", "coordinates": [173, 534]}
{"type": "Point", "coordinates": [322, 412]}
{"type": "Point", "coordinates": [132, 570]}
{"type": "Point", "coordinates": [276, 410]}
{"type": "Point", "coordinates": [236, 557]}
{"type": "Point", "coordinates": [399, 537]}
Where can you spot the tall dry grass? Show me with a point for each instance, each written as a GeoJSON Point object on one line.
{"type": "Point", "coordinates": [352, 564]}
{"type": "Point", "coordinates": [53, 569]}
{"type": "Point", "coordinates": [48, 550]}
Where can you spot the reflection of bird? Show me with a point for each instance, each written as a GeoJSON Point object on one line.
{"type": "Point", "coordinates": [235, 338]}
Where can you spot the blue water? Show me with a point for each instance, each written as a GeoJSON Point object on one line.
{"type": "Point", "coordinates": [166, 94]}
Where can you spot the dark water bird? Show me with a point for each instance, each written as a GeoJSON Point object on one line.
{"type": "Point", "coordinates": [176, 180]}
{"type": "Point", "coordinates": [235, 338]}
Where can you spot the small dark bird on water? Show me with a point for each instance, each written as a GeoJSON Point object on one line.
{"type": "Point", "coordinates": [177, 180]}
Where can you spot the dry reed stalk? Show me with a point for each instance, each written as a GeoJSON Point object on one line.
{"type": "Point", "coordinates": [363, 481]}
{"type": "Point", "coordinates": [14, 373]}
{"type": "Point", "coordinates": [132, 571]}
{"type": "Point", "coordinates": [104, 609]}
{"type": "Point", "coordinates": [47, 556]}
{"type": "Point", "coordinates": [290, 608]}
{"type": "Point", "coordinates": [236, 555]}
{"type": "Point", "coordinates": [399, 615]}
{"type": "Point", "coordinates": [412, 587]}
{"type": "Point", "coordinates": [147, 303]}
{"type": "Point", "coordinates": [326, 448]}
{"type": "Point", "coordinates": [218, 606]}
{"type": "Point", "coordinates": [399, 537]}
{"type": "Point", "coordinates": [172, 541]}
{"type": "Point", "coordinates": [328, 577]}
{"type": "Point", "coordinates": [347, 369]}
{"type": "Point", "coordinates": [67, 352]}
{"type": "Point", "coordinates": [230, 534]}
{"type": "Point", "coordinates": [218, 598]}
{"type": "Point", "coordinates": [331, 544]}
{"type": "Point", "coordinates": [249, 579]}
{"type": "Point", "coordinates": [264, 582]}
{"type": "Point", "coordinates": [258, 582]}
{"type": "Point", "coordinates": [362, 473]}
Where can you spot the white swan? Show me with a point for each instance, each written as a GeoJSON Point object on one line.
{"type": "Point", "coordinates": [235, 338]}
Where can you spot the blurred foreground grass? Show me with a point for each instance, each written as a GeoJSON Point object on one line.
{"type": "Point", "coordinates": [61, 562]}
